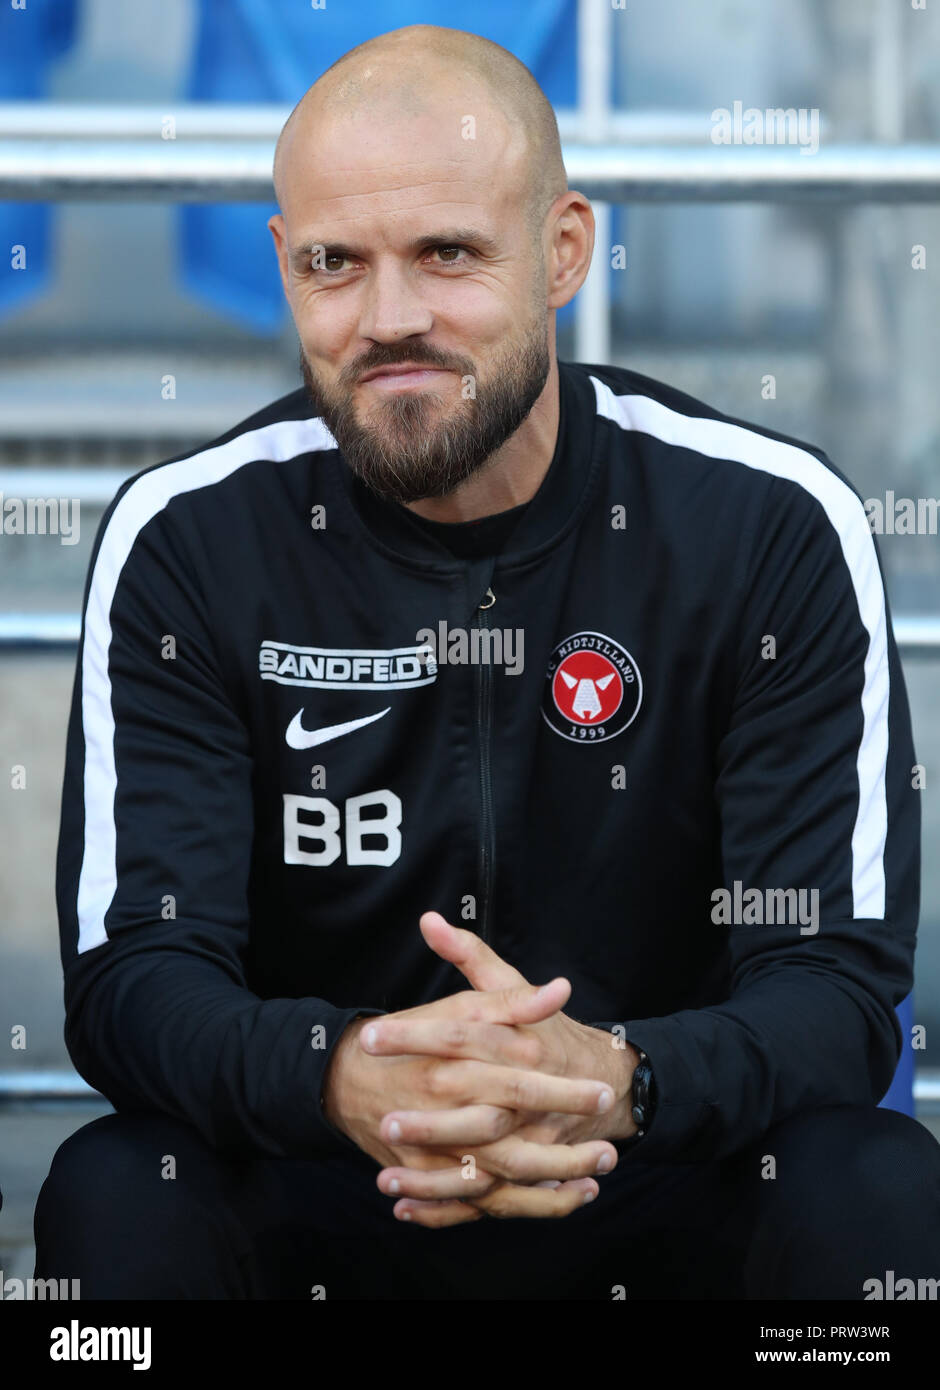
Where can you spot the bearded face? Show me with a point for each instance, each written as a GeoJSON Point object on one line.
{"type": "Point", "coordinates": [411, 444]}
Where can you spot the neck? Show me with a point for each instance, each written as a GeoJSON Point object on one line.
{"type": "Point", "coordinates": [513, 474]}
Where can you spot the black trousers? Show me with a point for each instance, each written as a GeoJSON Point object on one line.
{"type": "Point", "coordinates": [855, 1193]}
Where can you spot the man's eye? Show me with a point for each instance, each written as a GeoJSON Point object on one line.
{"type": "Point", "coordinates": [335, 264]}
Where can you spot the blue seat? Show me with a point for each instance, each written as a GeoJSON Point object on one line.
{"type": "Point", "coordinates": [30, 39]}
{"type": "Point", "coordinates": [272, 51]}
{"type": "Point", "coordinates": [900, 1094]}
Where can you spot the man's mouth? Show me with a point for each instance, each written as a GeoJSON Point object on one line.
{"type": "Point", "coordinates": [402, 376]}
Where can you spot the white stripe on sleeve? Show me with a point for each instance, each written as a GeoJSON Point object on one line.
{"type": "Point", "coordinates": [147, 495]}
{"type": "Point", "coordinates": [723, 440]}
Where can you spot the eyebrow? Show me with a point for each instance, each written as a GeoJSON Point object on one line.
{"type": "Point", "coordinates": [452, 237]}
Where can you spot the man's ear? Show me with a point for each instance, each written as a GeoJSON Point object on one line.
{"type": "Point", "coordinates": [572, 247]}
{"type": "Point", "coordinates": [278, 229]}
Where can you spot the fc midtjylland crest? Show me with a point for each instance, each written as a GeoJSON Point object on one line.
{"type": "Point", "coordinates": [592, 688]}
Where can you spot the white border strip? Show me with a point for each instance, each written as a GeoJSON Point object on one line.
{"type": "Point", "coordinates": [149, 494]}
{"type": "Point", "coordinates": [720, 439]}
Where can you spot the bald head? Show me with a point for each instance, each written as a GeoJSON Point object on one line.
{"type": "Point", "coordinates": [417, 72]}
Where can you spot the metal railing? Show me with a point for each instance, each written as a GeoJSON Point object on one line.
{"type": "Point", "coordinates": [252, 121]}
{"type": "Point", "coordinates": [223, 170]}
{"type": "Point", "coordinates": [61, 1085]}
{"type": "Point", "coordinates": [915, 634]}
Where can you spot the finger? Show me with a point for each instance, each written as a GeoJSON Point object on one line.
{"type": "Point", "coordinates": [473, 958]}
{"type": "Point", "coordinates": [394, 1036]}
{"type": "Point", "coordinates": [511, 1160]}
{"type": "Point", "coordinates": [510, 1200]}
{"type": "Point", "coordinates": [505, 1201]}
{"type": "Point", "coordinates": [436, 1184]}
{"type": "Point", "coordinates": [469, 1124]}
{"type": "Point", "coordinates": [519, 1004]}
{"type": "Point", "coordinates": [436, 1214]}
{"type": "Point", "coordinates": [521, 1162]}
{"type": "Point", "coordinates": [456, 1083]}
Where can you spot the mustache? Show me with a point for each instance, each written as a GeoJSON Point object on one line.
{"type": "Point", "coordinates": [373, 361]}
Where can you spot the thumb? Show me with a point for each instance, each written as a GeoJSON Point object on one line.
{"type": "Point", "coordinates": [486, 971]}
{"type": "Point", "coordinates": [476, 961]}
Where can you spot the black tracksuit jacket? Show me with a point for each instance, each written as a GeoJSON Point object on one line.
{"type": "Point", "coordinates": [708, 698]}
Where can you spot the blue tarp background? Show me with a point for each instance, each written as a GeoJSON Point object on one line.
{"type": "Point", "coordinates": [272, 51]}
{"type": "Point", "coordinates": [30, 40]}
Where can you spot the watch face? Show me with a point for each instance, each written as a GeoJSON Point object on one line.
{"type": "Point", "coordinates": [642, 1107]}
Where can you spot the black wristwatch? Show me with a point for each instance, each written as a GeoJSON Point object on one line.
{"type": "Point", "coordinates": [643, 1094]}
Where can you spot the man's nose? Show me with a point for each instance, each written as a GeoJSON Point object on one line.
{"type": "Point", "coordinates": [392, 307]}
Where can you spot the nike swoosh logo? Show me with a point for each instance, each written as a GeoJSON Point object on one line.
{"type": "Point", "coordinates": [299, 737]}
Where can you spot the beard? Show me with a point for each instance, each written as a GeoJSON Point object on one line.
{"type": "Point", "coordinates": [408, 447]}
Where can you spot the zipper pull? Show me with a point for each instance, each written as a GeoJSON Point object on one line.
{"type": "Point", "coordinates": [492, 599]}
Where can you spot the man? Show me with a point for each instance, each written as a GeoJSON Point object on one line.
{"type": "Point", "coordinates": [594, 684]}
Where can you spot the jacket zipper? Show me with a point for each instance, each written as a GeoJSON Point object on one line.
{"type": "Point", "coordinates": [484, 732]}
